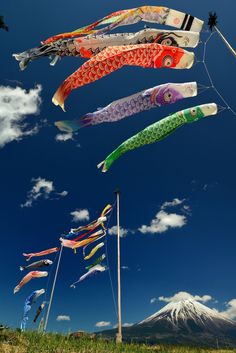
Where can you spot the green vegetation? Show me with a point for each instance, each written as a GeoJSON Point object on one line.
{"type": "Point", "coordinates": [32, 342]}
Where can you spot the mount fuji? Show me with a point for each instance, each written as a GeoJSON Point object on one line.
{"type": "Point", "coordinates": [185, 322]}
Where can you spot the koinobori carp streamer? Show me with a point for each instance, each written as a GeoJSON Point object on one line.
{"type": "Point", "coordinates": [89, 227]}
{"type": "Point", "coordinates": [152, 14]}
{"type": "Point", "coordinates": [96, 262]}
{"type": "Point", "coordinates": [113, 58]}
{"type": "Point", "coordinates": [88, 46]}
{"type": "Point", "coordinates": [78, 244]}
{"type": "Point", "coordinates": [39, 310]}
{"type": "Point", "coordinates": [93, 252]}
{"type": "Point", "coordinates": [41, 253]}
{"type": "Point", "coordinates": [37, 264]}
{"type": "Point", "coordinates": [28, 277]}
{"type": "Point", "coordinates": [92, 272]}
{"type": "Point", "coordinates": [159, 130]}
{"type": "Point", "coordinates": [150, 98]}
{"type": "Point", "coordinates": [31, 299]}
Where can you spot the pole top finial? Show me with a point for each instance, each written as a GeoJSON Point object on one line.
{"type": "Point", "coordinates": [117, 191]}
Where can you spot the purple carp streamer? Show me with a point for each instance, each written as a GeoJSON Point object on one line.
{"type": "Point", "coordinates": [159, 130]}
{"type": "Point", "coordinates": [153, 14]}
{"type": "Point", "coordinates": [28, 277]}
{"type": "Point", "coordinates": [88, 46]}
{"type": "Point", "coordinates": [150, 98]}
{"type": "Point", "coordinates": [92, 272]}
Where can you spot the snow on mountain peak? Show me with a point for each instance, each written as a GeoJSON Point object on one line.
{"type": "Point", "coordinates": [182, 311]}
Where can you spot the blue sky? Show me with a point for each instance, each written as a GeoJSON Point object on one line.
{"type": "Point", "coordinates": [196, 164]}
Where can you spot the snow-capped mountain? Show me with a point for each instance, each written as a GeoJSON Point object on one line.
{"type": "Point", "coordinates": [184, 322]}
{"type": "Point", "coordinates": [189, 315]}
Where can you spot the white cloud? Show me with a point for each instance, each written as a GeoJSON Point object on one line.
{"type": "Point", "coordinates": [162, 222]}
{"type": "Point", "coordinates": [80, 215]}
{"type": "Point", "coordinates": [15, 105]}
{"type": "Point", "coordinates": [173, 203]}
{"type": "Point", "coordinates": [125, 268]}
{"type": "Point", "coordinates": [230, 311]}
{"type": "Point", "coordinates": [63, 318]}
{"type": "Point", "coordinates": [185, 295]}
{"type": "Point", "coordinates": [64, 137]}
{"type": "Point", "coordinates": [153, 300]}
{"type": "Point", "coordinates": [43, 189]}
{"type": "Point", "coordinates": [113, 231]}
{"type": "Point", "coordinates": [63, 193]}
{"type": "Point", "coordinates": [103, 324]}
{"type": "Point", "coordinates": [125, 324]}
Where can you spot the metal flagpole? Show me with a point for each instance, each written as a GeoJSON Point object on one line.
{"type": "Point", "coordinates": [225, 41]}
{"type": "Point", "coordinates": [53, 288]}
{"type": "Point", "coordinates": [119, 334]}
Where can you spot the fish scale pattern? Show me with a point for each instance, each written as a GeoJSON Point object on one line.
{"type": "Point", "coordinates": [113, 58]}
{"type": "Point", "coordinates": [155, 132]}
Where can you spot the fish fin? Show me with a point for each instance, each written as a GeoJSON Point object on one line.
{"type": "Point", "coordinates": [54, 60]}
{"type": "Point", "coordinates": [22, 268]}
{"type": "Point", "coordinates": [16, 289]}
{"type": "Point", "coordinates": [102, 165]}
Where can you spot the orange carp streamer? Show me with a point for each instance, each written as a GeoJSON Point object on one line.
{"type": "Point", "coordinates": [41, 253]}
{"type": "Point", "coordinates": [28, 277]}
{"type": "Point", "coordinates": [113, 58]}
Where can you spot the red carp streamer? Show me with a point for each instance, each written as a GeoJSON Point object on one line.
{"type": "Point", "coordinates": [41, 253]}
{"type": "Point", "coordinates": [113, 58]}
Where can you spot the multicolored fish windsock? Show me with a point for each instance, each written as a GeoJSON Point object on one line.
{"type": "Point", "coordinates": [79, 244]}
{"type": "Point", "coordinates": [41, 253]}
{"type": "Point", "coordinates": [28, 277]}
{"type": "Point", "coordinates": [113, 58]}
{"type": "Point", "coordinates": [152, 14]}
{"type": "Point", "coordinates": [27, 306]}
{"type": "Point", "coordinates": [92, 272]}
{"type": "Point", "coordinates": [159, 130]}
{"type": "Point", "coordinates": [89, 227]}
{"type": "Point", "coordinates": [150, 98]}
{"type": "Point", "coordinates": [88, 46]}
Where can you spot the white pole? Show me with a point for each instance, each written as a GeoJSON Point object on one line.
{"type": "Point", "coordinates": [53, 288]}
{"type": "Point", "coordinates": [119, 334]}
{"type": "Point", "coordinates": [225, 41]}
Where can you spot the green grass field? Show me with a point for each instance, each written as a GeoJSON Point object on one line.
{"type": "Point", "coordinates": [32, 342]}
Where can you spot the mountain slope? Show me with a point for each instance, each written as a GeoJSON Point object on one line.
{"type": "Point", "coordinates": [184, 322]}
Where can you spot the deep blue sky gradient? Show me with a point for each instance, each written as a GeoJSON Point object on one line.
{"type": "Point", "coordinates": [198, 258]}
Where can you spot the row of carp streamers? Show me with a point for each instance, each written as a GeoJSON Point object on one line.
{"type": "Point", "coordinates": [90, 233]}
{"type": "Point", "coordinates": [148, 48]}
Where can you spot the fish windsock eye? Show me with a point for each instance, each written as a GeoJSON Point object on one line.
{"type": "Point", "coordinates": [193, 112]}
{"type": "Point", "coordinates": [167, 61]}
{"type": "Point", "coordinates": [167, 41]}
{"type": "Point", "coordinates": [168, 96]}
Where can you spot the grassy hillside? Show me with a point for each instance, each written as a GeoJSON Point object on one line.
{"type": "Point", "coordinates": [31, 342]}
